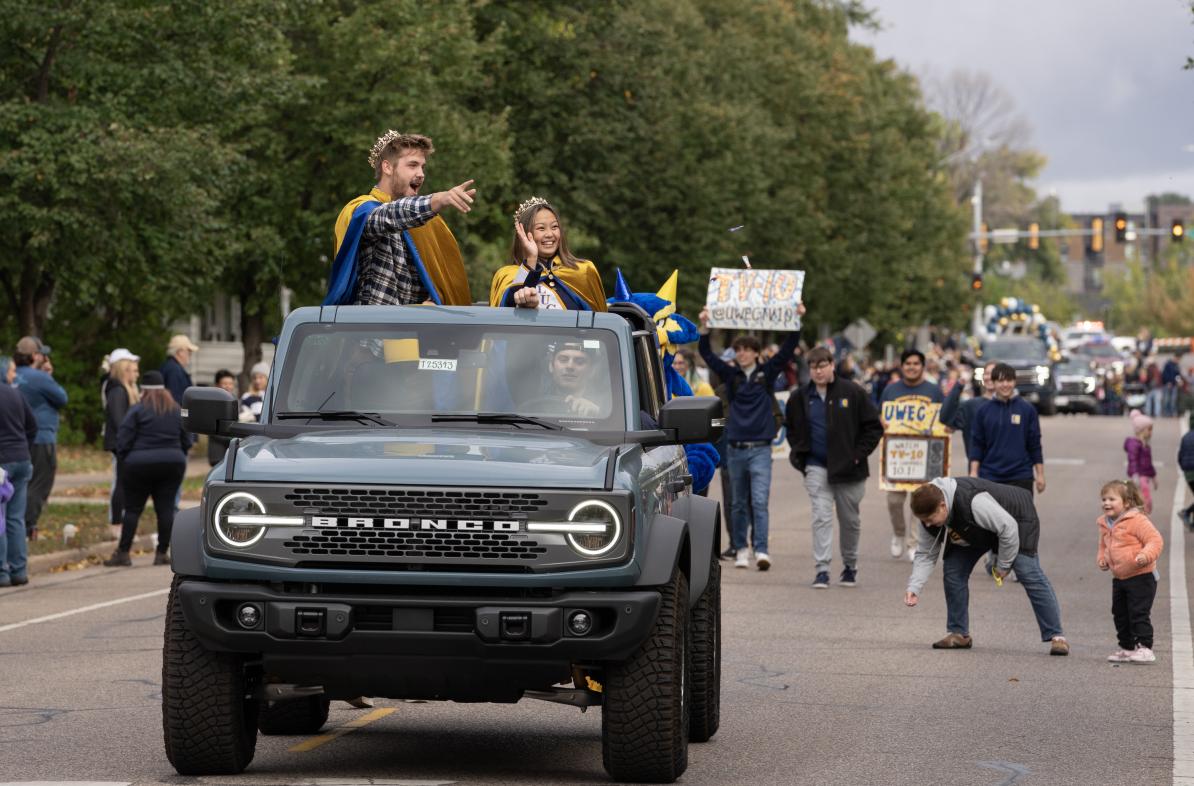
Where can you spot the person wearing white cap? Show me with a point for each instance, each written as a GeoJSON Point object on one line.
{"type": "Point", "coordinates": [119, 394]}
{"type": "Point", "coordinates": [250, 402]}
{"type": "Point", "coordinates": [174, 369]}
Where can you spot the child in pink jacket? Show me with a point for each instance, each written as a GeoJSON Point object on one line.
{"type": "Point", "coordinates": [1129, 546]}
{"type": "Point", "coordinates": [1140, 458]}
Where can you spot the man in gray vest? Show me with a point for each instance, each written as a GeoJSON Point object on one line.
{"type": "Point", "coordinates": [967, 517]}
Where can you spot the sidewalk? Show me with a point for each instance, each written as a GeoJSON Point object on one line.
{"type": "Point", "coordinates": [44, 563]}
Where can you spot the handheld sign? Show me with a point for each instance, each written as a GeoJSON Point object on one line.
{"type": "Point", "coordinates": [915, 445]}
{"type": "Point", "coordinates": [754, 299]}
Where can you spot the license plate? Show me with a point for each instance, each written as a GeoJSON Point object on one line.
{"type": "Point", "coordinates": [1063, 401]}
{"type": "Point", "coordinates": [1033, 397]}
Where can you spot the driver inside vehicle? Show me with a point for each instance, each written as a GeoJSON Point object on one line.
{"type": "Point", "coordinates": [569, 389]}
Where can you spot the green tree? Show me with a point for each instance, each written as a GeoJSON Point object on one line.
{"type": "Point", "coordinates": [118, 122]}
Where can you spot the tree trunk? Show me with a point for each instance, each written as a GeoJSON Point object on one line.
{"type": "Point", "coordinates": [36, 290]}
{"type": "Point", "coordinates": [252, 333]}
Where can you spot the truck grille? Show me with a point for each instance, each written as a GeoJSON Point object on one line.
{"type": "Point", "coordinates": [1072, 388]}
{"type": "Point", "coordinates": [416, 545]}
{"type": "Point", "coordinates": [1026, 376]}
{"type": "Point", "coordinates": [398, 502]}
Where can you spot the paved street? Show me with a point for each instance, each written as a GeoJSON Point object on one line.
{"type": "Point", "coordinates": [819, 687]}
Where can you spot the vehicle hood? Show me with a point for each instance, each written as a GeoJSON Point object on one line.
{"type": "Point", "coordinates": [451, 457]}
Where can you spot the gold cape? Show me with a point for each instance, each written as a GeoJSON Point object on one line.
{"type": "Point", "coordinates": [436, 245]}
{"type": "Point", "coordinates": [583, 281]}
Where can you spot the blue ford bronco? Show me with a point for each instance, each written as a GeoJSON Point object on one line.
{"type": "Point", "coordinates": [449, 503]}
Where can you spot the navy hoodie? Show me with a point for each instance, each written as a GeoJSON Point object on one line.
{"type": "Point", "coordinates": [1006, 440]}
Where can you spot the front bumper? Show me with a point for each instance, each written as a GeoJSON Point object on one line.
{"type": "Point", "coordinates": [483, 647]}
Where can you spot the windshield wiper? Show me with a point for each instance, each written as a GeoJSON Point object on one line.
{"type": "Point", "coordinates": [338, 414]}
{"type": "Point", "coordinates": [496, 417]}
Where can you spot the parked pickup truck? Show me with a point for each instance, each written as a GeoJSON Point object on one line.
{"type": "Point", "coordinates": [460, 504]}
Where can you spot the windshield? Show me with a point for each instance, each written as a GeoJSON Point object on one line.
{"type": "Point", "coordinates": [1015, 350]}
{"type": "Point", "coordinates": [410, 374]}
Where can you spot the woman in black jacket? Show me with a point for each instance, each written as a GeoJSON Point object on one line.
{"type": "Point", "coordinates": [119, 393]}
{"type": "Point", "coordinates": [152, 447]}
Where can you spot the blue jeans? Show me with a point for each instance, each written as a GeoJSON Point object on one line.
{"type": "Point", "coordinates": [14, 549]}
{"type": "Point", "coordinates": [958, 564]}
{"type": "Point", "coordinates": [1153, 401]}
{"type": "Point", "coordinates": [750, 476]}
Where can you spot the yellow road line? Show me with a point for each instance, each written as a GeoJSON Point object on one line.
{"type": "Point", "coordinates": [340, 731]}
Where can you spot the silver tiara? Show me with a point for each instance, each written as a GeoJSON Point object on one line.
{"type": "Point", "coordinates": [380, 145]}
{"type": "Point", "coordinates": [527, 205]}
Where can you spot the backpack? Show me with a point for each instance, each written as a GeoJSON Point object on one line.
{"type": "Point", "coordinates": [725, 391]}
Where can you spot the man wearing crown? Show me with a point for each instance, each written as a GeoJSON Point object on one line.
{"type": "Point", "coordinates": [392, 248]}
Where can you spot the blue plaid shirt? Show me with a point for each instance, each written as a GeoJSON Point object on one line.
{"type": "Point", "coordinates": [385, 274]}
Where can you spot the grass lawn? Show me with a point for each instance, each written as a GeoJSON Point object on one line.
{"type": "Point", "coordinates": [91, 521]}
{"type": "Point", "coordinates": [192, 489]}
{"type": "Point", "coordinates": [75, 459]}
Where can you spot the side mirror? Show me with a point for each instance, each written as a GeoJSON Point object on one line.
{"type": "Point", "coordinates": [693, 418]}
{"type": "Point", "coordinates": [208, 410]}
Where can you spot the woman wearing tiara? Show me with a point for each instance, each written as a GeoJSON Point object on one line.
{"type": "Point", "coordinates": [543, 272]}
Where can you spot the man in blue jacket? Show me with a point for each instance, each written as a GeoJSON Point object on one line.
{"type": "Point", "coordinates": [45, 397]}
{"type": "Point", "coordinates": [751, 425]}
{"type": "Point", "coordinates": [1006, 442]}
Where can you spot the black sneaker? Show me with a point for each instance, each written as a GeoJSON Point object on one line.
{"type": "Point", "coordinates": [821, 581]}
{"type": "Point", "coordinates": [849, 578]}
{"type": "Point", "coordinates": [729, 553]}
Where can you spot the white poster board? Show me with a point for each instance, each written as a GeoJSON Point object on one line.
{"type": "Point", "coordinates": [753, 299]}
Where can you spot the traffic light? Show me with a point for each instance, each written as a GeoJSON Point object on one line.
{"type": "Point", "coordinates": [1096, 235]}
{"type": "Point", "coordinates": [1034, 236]}
{"type": "Point", "coordinates": [1121, 227]}
{"type": "Point", "coordinates": [983, 243]}
{"type": "Point", "coordinates": [1177, 231]}
{"type": "Point", "coordinates": [976, 282]}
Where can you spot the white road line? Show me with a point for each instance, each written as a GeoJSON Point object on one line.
{"type": "Point", "coordinates": [1070, 462]}
{"type": "Point", "coordinates": [82, 610]}
{"type": "Point", "coordinates": [1183, 645]}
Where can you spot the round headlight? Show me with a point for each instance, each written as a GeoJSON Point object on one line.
{"type": "Point", "coordinates": [596, 543]}
{"type": "Point", "coordinates": [239, 535]}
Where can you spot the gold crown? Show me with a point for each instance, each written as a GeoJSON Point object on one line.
{"type": "Point", "coordinates": [380, 145]}
{"type": "Point", "coordinates": [527, 205]}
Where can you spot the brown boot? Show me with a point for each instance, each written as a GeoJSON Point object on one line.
{"type": "Point", "coordinates": [161, 558]}
{"type": "Point", "coordinates": [953, 641]}
{"type": "Point", "coordinates": [119, 559]}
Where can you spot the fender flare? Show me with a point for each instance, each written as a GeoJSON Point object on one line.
{"type": "Point", "coordinates": [703, 516]}
{"type": "Point", "coordinates": [667, 541]}
{"type": "Point", "coordinates": [186, 542]}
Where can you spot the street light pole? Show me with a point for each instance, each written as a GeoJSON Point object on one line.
{"type": "Point", "coordinates": [977, 204]}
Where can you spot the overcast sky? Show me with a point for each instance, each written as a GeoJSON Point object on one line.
{"type": "Point", "coordinates": [1099, 81]}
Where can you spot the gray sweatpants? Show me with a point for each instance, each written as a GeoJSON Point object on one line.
{"type": "Point", "coordinates": [897, 501]}
{"type": "Point", "coordinates": [825, 496]}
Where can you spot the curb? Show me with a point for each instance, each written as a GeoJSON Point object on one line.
{"type": "Point", "coordinates": [44, 563]}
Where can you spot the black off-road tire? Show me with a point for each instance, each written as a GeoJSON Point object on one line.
{"type": "Point", "coordinates": [644, 720]}
{"type": "Point", "coordinates": [294, 716]}
{"type": "Point", "coordinates": [208, 719]}
{"type": "Point", "coordinates": [704, 632]}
